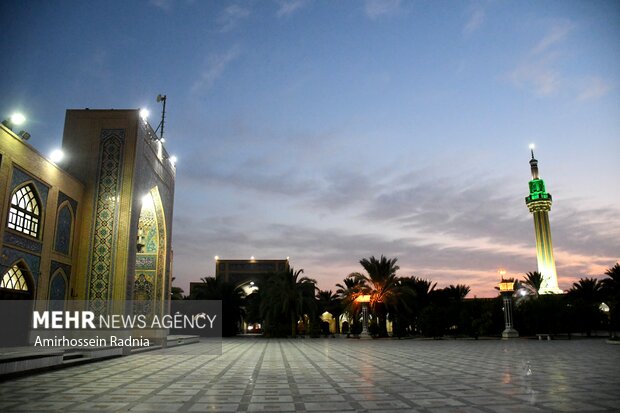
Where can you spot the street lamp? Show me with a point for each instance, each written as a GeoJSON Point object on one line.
{"type": "Point", "coordinates": [364, 299]}
{"type": "Point", "coordinates": [507, 288]}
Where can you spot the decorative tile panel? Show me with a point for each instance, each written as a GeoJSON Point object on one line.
{"type": "Point", "coordinates": [22, 242]}
{"type": "Point", "coordinates": [106, 211]}
{"type": "Point", "coordinates": [64, 224]}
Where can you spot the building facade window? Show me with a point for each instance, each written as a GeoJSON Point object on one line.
{"type": "Point", "coordinates": [13, 279]}
{"type": "Point", "coordinates": [24, 212]}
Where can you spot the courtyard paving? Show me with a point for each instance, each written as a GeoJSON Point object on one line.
{"type": "Point", "coordinates": [337, 375]}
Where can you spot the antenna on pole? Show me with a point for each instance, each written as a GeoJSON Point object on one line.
{"type": "Point", "coordinates": [161, 98]}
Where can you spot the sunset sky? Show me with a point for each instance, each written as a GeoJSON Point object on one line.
{"type": "Point", "coordinates": [329, 131]}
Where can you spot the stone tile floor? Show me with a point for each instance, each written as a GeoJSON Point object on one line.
{"type": "Point", "coordinates": [336, 375]}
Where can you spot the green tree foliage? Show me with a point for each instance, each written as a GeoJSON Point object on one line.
{"type": "Point", "coordinates": [232, 302]}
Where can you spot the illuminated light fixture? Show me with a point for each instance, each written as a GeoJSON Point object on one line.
{"type": "Point", "coordinates": [363, 298]}
{"type": "Point", "coordinates": [57, 155]}
{"type": "Point", "coordinates": [144, 114]}
{"type": "Point", "coordinates": [146, 199]}
{"type": "Point", "coordinates": [173, 160]}
{"type": "Point", "coordinates": [216, 258]}
{"type": "Point", "coordinates": [287, 258]}
{"type": "Point", "coordinates": [252, 258]}
{"type": "Point", "coordinates": [507, 285]}
{"type": "Point", "coordinates": [532, 146]}
{"type": "Point", "coordinates": [17, 119]}
{"type": "Point", "coordinates": [251, 282]}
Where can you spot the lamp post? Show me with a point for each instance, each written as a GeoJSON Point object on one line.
{"type": "Point", "coordinates": [364, 299]}
{"type": "Point", "coordinates": [507, 288]}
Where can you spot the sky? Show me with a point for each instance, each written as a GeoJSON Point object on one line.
{"type": "Point", "coordinates": [332, 131]}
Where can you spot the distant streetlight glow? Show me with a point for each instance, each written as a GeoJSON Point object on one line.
{"type": "Point", "coordinates": [216, 258]}
{"type": "Point", "coordinates": [57, 155]}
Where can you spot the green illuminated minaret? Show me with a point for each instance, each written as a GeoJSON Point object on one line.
{"type": "Point", "coordinates": [539, 204]}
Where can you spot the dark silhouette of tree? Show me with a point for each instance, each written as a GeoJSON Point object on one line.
{"type": "Point", "coordinates": [232, 302]}
{"type": "Point", "coordinates": [287, 296]}
{"type": "Point", "coordinates": [532, 283]}
{"type": "Point", "coordinates": [384, 288]}
{"type": "Point", "coordinates": [176, 293]}
{"type": "Point", "coordinates": [611, 294]}
{"type": "Point", "coordinates": [586, 295]}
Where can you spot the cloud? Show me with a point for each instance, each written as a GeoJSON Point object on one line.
{"type": "Point", "coordinates": [379, 8]}
{"type": "Point", "coordinates": [215, 66]}
{"type": "Point", "coordinates": [540, 71]}
{"type": "Point", "coordinates": [476, 19]}
{"type": "Point", "coordinates": [165, 5]}
{"type": "Point", "coordinates": [557, 34]}
{"type": "Point", "coordinates": [539, 76]}
{"type": "Point", "coordinates": [289, 7]}
{"type": "Point", "coordinates": [594, 88]}
{"type": "Point", "coordinates": [231, 16]}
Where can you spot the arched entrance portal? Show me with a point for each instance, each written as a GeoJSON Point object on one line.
{"type": "Point", "coordinates": [16, 293]}
{"type": "Point", "coordinates": [149, 284]}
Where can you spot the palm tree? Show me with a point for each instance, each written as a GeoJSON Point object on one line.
{"type": "Point", "coordinates": [176, 293]}
{"type": "Point", "coordinates": [287, 296]}
{"type": "Point", "coordinates": [611, 292]}
{"type": "Point", "coordinates": [457, 292]}
{"type": "Point", "coordinates": [587, 295]}
{"type": "Point", "coordinates": [354, 285]}
{"type": "Point", "coordinates": [384, 288]}
{"type": "Point", "coordinates": [232, 298]}
{"type": "Point", "coordinates": [532, 283]}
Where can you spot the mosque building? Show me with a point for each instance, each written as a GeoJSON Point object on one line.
{"type": "Point", "coordinates": [94, 227]}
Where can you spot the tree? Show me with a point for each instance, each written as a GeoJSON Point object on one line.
{"type": "Point", "coordinates": [287, 296]}
{"type": "Point", "coordinates": [354, 285]}
{"type": "Point", "coordinates": [384, 288]}
{"type": "Point", "coordinates": [176, 293]}
{"type": "Point", "coordinates": [232, 298]}
{"type": "Point", "coordinates": [611, 293]}
{"type": "Point", "coordinates": [532, 283]}
{"type": "Point", "coordinates": [586, 295]}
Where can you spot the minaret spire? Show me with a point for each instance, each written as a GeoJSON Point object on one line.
{"type": "Point", "coordinates": [533, 163]}
{"type": "Point", "coordinates": [539, 203]}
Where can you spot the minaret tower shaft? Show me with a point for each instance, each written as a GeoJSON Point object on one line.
{"type": "Point", "coordinates": [539, 204]}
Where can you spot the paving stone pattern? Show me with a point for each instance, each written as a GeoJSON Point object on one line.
{"type": "Point", "coordinates": [336, 375]}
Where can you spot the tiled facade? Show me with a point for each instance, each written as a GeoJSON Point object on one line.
{"type": "Point", "coordinates": [84, 245]}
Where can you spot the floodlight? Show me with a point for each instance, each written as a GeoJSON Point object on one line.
{"type": "Point", "coordinates": [57, 155]}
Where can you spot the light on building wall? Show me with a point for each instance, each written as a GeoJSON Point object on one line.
{"type": "Point", "coordinates": [144, 114]}
{"type": "Point", "coordinates": [57, 155]}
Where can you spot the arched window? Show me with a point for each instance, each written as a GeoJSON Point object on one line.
{"type": "Point", "coordinates": [64, 226]}
{"type": "Point", "coordinates": [24, 211]}
{"type": "Point", "coordinates": [13, 279]}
